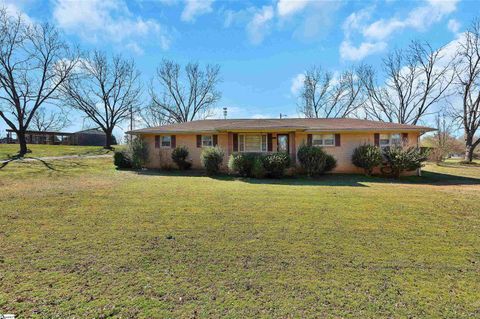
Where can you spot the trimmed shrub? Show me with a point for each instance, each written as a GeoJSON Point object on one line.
{"type": "Point", "coordinates": [258, 170]}
{"type": "Point", "coordinates": [242, 163]}
{"type": "Point", "coordinates": [367, 157]}
{"type": "Point", "coordinates": [138, 151]}
{"type": "Point", "coordinates": [275, 164]}
{"type": "Point", "coordinates": [179, 157]}
{"type": "Point", "coordinates": [398, 159]}
{"type": "Point", "coordinates": [314, 161]}
{"type": "Point", "coordinates": [212, 158]}
{"type": "Point", "coordinates": [330, 163]}
{"type": "Point", "coordinates": [121, 159]}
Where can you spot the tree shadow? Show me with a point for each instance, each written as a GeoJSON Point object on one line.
{"type": "Point", "coordinates": [351, 180]}
{"type": "Point", "coordinates": [55, 165]}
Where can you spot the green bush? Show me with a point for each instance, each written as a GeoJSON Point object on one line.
{"type": "Point", "coordinates": [330, 163]}
{"type": "Point", "coordinates": [258, 170]}
{"type": "Point", "coordinates": [314, 161]}
{"type": "Point", "coordinates": [121, 159]}
{"type": "Point", "coordinates": [398, 159]}
{"type": "Point", "coordinates": [242, 163]}
{"type": "Point", "coordinates": [259, 165]}
{"type": "Point", "coordinates": [179, 157]}
{"type": "Point", "coordinates": [138, 152]}
{"type": "Point", "coordinates": [212, 158]}
{"type": "Point", "coordinates": [367, 157]}
{"type": "Point", "coordinates": [275, 164]}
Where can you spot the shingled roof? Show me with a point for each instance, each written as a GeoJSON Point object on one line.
{"type": "Point", "coordinates": [293, 124]}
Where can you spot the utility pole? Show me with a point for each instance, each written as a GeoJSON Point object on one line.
{"type": "Point", "coordinates": [282, 115]}
{"type": "Point", "coordinates": [131, 122]}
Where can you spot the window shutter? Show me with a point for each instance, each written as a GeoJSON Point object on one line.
{"type": "Point", "coordinates": [269, 142]}
{"type": "Point", "coordinates": [215, 140]}
{"type": "Point", "coordinates": [173, 143]}
{"type": "Point", "coordinates": [199, 141]}
{"type": "Point", "coordinates": [405, 138]}
{"type": "Point", "coordinates": [157, 141]}
{"type": "Point", "coordinates": [309, 139]}
{"type": "Point", "coordinates": [337, 139]}
{"type": "Point", "coordinates": [376, 137]}
{"type": "Point", "coordinates": [235, 142]}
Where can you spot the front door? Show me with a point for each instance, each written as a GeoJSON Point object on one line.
{"type": "Point", "coordinates": [282, 143]}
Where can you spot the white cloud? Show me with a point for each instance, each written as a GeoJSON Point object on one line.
{"type": "Point", "coordinates": [350, 52]}
{"type": "Point", "coordinates": [297, 83]}
{"type": "Point", "coordinates": [453, 25]}
{"type": "Point", "coordinates": [194, 8]}
{"type": "Point", "coordinates": [307, 18]}
{"type": "Point", "coordinates": [259, 25]}
{"type": "Point", "coordinates": [420, 18]}
{"type": "Point", "coordinates": [289, 7]}
{"type": "Point", "coordinates": [373, 36]}
{"type": "Point", "coordinates": [108, 20]}
{"type": "Point", "coordinates": [15, 8]}
{"type": "Point", "coordinates": [134, 47]}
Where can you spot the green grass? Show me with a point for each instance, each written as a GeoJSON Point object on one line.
{"type": "Point", "coordinates": [9, 150]}
{"type": "Point", "coordinates": [81, 239]}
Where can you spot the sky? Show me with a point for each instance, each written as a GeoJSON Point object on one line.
{"type": "Point", "coordinates": [262, 47]}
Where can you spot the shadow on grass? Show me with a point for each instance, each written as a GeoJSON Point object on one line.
{"type": "Point", "coordinates": [355, 180]}
{"type": "Point", "coordinates": [52, 165]}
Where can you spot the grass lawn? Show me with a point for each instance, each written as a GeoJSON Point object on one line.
{"type": "Point", "coordinates": [8, 150]}
{"type": "Point", "coordinates": [81, 239]}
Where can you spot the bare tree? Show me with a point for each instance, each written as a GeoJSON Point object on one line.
{"type": "Point", "coordinates": [183, 99]}
{"type": "Point", "coordinates": [106, 91]}
{"type": "Point", "coordinates": [468, 85]}
{"type": "Point", "coordinates": [416, 79]}
{"type": "Point", "coordinates": [34, 62]}
{"type": "Point", "coordinates": [324, 96]}
{"type": "Point", "coordinates": [152, 115]}
{"type": "Point", "coordinates": [443, 141]}
{"type": "Point", "coordinates": [49, 121]}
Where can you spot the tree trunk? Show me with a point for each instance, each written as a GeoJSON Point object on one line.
{"type": "Point", "coordinates": [469, 148]}
{"type": "Point", "coordinates": [108, 140]}
{"type": "Point", "coordinates": [469, 153]}
{"type": "Point", "coordinates": [22, 140]}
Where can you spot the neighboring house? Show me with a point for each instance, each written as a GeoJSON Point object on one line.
{"type": "Point", "coordinates": [90, 137]}
{"type": "Point", "coordinates": [338, 137]}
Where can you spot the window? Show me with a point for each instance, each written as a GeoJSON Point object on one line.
{"type": "Point", "coordinates": [252, 143]}
{"type": "Point", "coordinates": [207, 140]}
{"type": "Point", "coordinates": [166, 141]}
{"type": "Point", "coordinates": [387, 140]}
{"type": "Point", "coordinates": [323, 140]}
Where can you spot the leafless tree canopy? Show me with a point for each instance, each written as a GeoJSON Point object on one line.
{"type": "Point", "coordinates": [323, 96]}
{"type": "Point", "coordinates": [34, 62]}
{"type": "Point", "coordinates": [106, 91]}
{"type": "Point", "coordinates": [468, 85]}
{"type": "Point", "coordinates": [152, 116]}
{"type": "Point", "coordinates": [44, 120]}
{"type": "Point", "coordinates": [416, 79]}
{"type": "Point", "coordinates": [183, 99]}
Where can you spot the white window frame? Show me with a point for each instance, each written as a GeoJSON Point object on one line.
{"type": "Point", "coordinates": [207, 144]}
{"type": "Point", "coordinates": [394, 139]}
{"type": "Point", "coordinates": [263, 143]}
{"type": "Point", "coordinates": [323, 140]}
{"type": "Point", "coordinates": [162, 141]}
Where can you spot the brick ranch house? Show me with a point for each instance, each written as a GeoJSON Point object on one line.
{"type": "Point", "coordinates": [338, 137]}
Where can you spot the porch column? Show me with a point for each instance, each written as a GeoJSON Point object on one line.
{"type": "Point", "coordinates": [230, 144]}
{"type": "Point", "coordinates": [293, 148]}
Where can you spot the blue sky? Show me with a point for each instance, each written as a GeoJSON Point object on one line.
{"type": "Point", "coordinates": [261, 46]}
